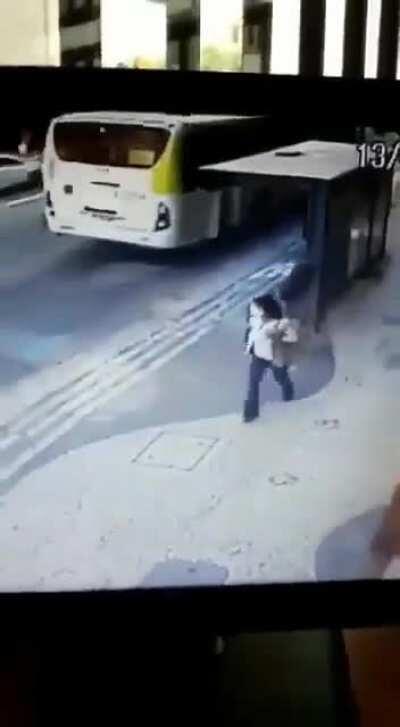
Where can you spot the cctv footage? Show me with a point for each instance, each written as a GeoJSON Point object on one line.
{"type": "Point", "coordinates": [199, 352]}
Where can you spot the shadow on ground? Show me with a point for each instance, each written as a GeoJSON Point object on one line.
{"type": "Point", "coordinates": [13, 190]}
{"type": "Point", "coordinates": [346, 553]}
{"type": "Point", "coordinates": [95, 254]}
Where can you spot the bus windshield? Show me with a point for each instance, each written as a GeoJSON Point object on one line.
{"type": "Point", "coordinates": [111, 145]}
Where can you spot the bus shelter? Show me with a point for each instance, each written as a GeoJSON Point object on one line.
{"type": "Point", "coordinates": [346, 215]}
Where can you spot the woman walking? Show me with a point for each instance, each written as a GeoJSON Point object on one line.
{"type": "Point", "coordinates": [267, 333]}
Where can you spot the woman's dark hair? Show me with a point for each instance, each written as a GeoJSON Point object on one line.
{"type": "Point", "coordinates": [270, 306]}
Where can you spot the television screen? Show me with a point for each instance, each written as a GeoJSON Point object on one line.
{"type": "Point", "coordinates": [199, 346]}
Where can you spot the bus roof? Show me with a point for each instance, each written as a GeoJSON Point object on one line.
{"type": "Point", "coordinates": [130, 117]}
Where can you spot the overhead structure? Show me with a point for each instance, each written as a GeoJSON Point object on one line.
{"type": "Point", "coordinates": [347, 210]}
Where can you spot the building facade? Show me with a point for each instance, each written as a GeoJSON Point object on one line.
{"type": "Point", "coordinates": [80, 32]}
{"type": "Point", "coordinates": [351, 38]}
{"type": "Point", "coordinates": [29, 33]}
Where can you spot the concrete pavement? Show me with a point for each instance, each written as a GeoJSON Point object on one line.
{"type": "Point", "coordinates": [294, 496]}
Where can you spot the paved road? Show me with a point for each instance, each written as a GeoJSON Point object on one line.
{"type": "Point", "coordinates": [177, 318]}
{"type": "Point", "coordinates": [64, 295]}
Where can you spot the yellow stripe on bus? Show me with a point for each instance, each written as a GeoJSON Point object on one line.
{"type": "Point", "coordinates": [167, 174]}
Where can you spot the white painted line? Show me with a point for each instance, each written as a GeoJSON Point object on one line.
{"type": "Point", "coordinates": [25, 200]}
{"type": "Point", "coordinates": [9, 441]}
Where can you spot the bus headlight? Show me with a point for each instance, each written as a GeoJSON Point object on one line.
{"type": "Point", "coordinates": [163, 217]}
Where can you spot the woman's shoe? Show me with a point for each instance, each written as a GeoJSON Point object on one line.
{"type": "Point", "coordinates": [250, 413]}
{"type": "Point", "coordinates": [247, 418]}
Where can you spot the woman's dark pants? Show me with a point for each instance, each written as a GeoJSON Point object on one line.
{"type": "Point", "coordinates": [258, 367]}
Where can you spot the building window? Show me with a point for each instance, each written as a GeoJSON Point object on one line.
{"type": "Point", "coordinates": [285, 50]}
{"type": "Point", "coordinates": [236, 34]}
{"type": "Point", "coordinates": [78, 4]}
{"type": "Point", "coordinates": [252, 38]}
{"type": "Point", "coordinates": [255, 33]}
{"type": "Point", "coordinates": [334, 37]}
{"type": "Point", "coordinates": [64, 8]}
{"type": "Point", "coordinates": [372, 38]}
{"type": "Point", "coordinates": [84, 55]}
{"type": "Point", "coordinates": [221, 37]}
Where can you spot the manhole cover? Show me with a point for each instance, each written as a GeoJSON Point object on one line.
{"type": "Point", "coordinates": [175, 451]}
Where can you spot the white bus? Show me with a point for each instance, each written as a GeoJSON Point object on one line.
{"type": "Point", "coordinates": [135, 178]}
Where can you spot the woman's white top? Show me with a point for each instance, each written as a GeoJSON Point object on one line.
{"type": "Point", "coordinates": [266, 337]}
